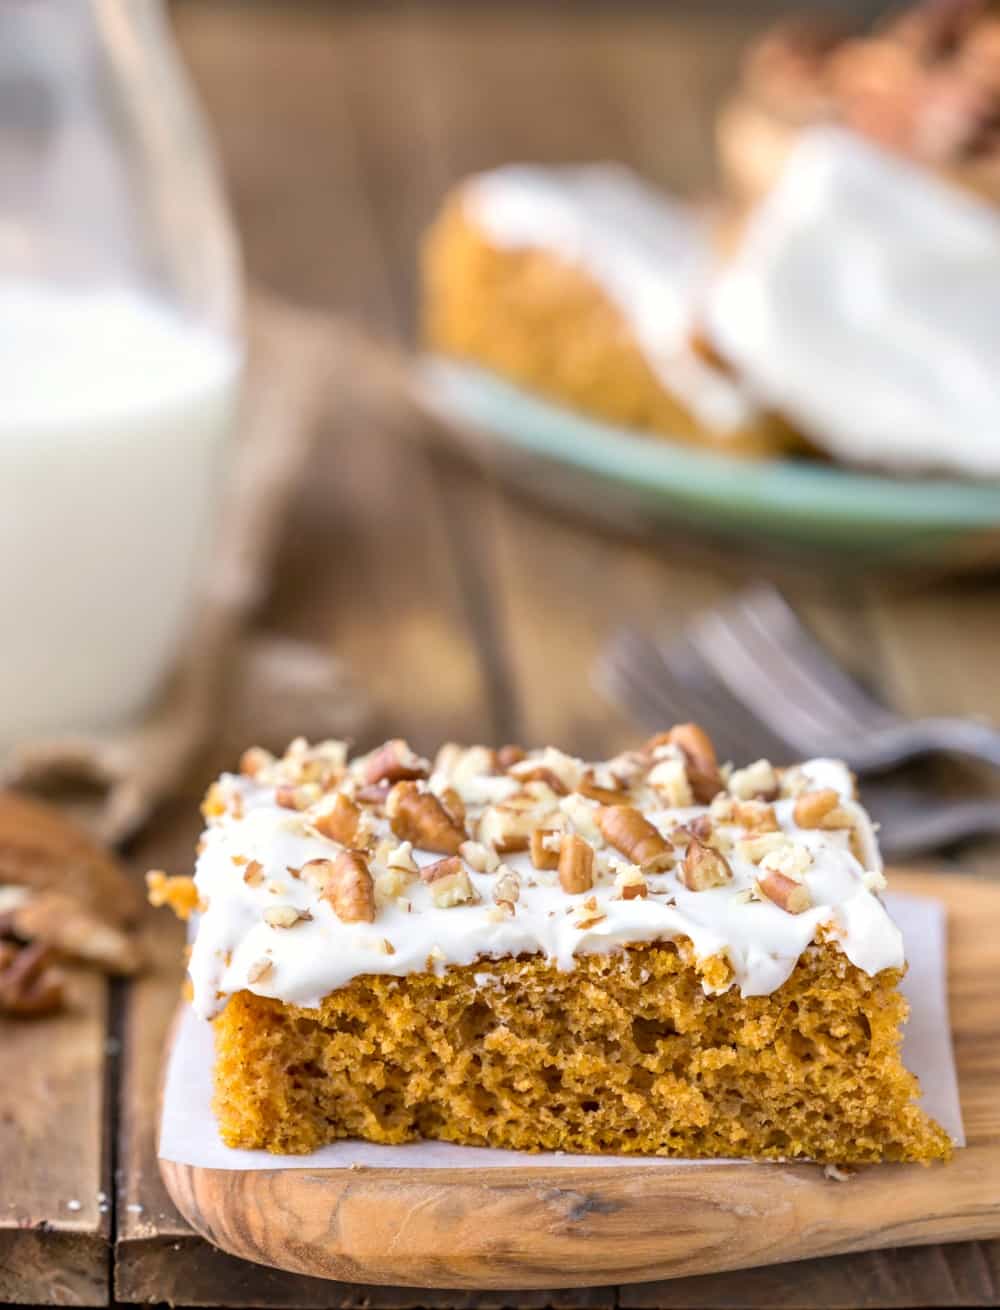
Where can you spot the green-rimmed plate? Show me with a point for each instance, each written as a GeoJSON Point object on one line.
{"type": "Point", "coordinates": [639, 481]}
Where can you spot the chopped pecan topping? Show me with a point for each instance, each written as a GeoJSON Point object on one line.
{"type": "Point", "coordinates": [254, 761]}
{"type": "Point", "coordinates": [576, 864]}
{"type": "Point", "coordinates": [259, 970]}
{"type": "Point", "coordinates": [374, 794]}
{"type": "Point", "coordinates": [394, 762]}
{"type": "Point", "coordinates": [630, 832]}
{"type": "Point", "coordinates": [786, 893]}
{"type": "Point", "coordinates": [285, 916]}
{"type": "Point", "coordinates": [454, 806]}
{"type": "Point", "coordinates": [442, 868]}
{"type": "Point", "coordinates": [757, 781]}
{"type": "Point", "coordinates": [704, 867]}
{"type": "Point", "coordinates": [449, 882]}
{"type": "Point", "coordinates": [419, 817]}
{"type": "Point", "coordinates": [699, 754]}
{"type": "Point", "coordinates": [545, 843]}
{"type": "Point", "coordinates": [821, 809]}
{"type": "Point", "coordinates": [507, 888]}
{"type": "Point", "coordinates": [479, 857]}
{"type": "Point", "coordinates": [507, 827]}
{"type": "Point", "coordinates": [299, 796]}
{"type": "Point", "coordinates": [630, 884]}
{"type": "Point", "coordinates": [595, 791]}
{"type": "Point", "coordinates": [755, 816]}
{"type": "Point", "coordinates": [349, 889]}
{"type": "Point", "coordinates": [507, 756]}
{"type": "Point", "coordinates": [253, 873]}
{"type": "Point", "coordinates": [670, 779]}
{"type": "Point", "coordinates": [530, 772]}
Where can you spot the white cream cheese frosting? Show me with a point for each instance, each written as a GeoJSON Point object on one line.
{"type": "Point", "coordinates": [239, 942]}
{"type": "Point", "coordinates": [863, 303]}
{"type": "Point", "coordinates": [651, 256]}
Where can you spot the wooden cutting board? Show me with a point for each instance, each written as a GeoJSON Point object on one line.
{"type": "Point", "coordinates": [544, 1227]}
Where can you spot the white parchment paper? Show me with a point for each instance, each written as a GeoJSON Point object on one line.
{"type": "Point", "coordinates": [189, 1135]}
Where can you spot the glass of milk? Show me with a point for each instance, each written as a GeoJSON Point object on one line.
{"type": "Point", "coordinates": [120, 361]}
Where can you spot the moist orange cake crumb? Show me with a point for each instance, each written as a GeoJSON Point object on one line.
{"type": "Point", "coordinates": [651, 954]}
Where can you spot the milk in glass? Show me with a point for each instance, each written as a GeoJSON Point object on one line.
{"type": "Point", "coordinates": [112, 431]}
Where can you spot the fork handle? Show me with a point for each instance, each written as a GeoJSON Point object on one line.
{"type": "Point", "coordinates": [932, 829]}
{"type": "Point", "coordinates": [899, 743]}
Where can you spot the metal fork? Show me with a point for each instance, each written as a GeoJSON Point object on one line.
{"type": "Point", "coordinates": [759, 649]}
{"type": "Point", "coordinates": [660, 685]}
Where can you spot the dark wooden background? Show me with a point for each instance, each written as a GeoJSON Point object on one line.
{"type": "Point", "coordinates": [467, 612]}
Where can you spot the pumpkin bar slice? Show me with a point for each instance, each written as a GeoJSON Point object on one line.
{"type": "Point", "coordinates": [583, 284]}
{"type": "Point", "coordinates": [650, 955]}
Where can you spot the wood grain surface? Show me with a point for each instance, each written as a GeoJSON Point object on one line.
{"type": "Point", "coordinates": [55, 1177]}
{"type": "Point", "coordinates": [545, 1227]}
{"type": "Point", "coordinates": [467, 612]}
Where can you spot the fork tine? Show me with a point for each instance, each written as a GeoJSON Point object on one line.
{"type": "Point", "coordinates": [763, 624]}
{"type": "Point", "coordinates": [770, 611]}
{"type": "Point", "coordinates": [758, 648]}
{"type": "Point", "coordinates": [654, 686]}
{"type": "Point", "coordinates": [748, 632]}
{"type": "Point", "coordinates": [745, 667]}
{"type": "Point", "coordinates": [623, 672]}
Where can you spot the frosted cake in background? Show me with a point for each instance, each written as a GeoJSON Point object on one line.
{"type": "Point", "coordinates": [584, 284]}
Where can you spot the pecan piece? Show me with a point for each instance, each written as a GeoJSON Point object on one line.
{"type": "Point", "coordinates": [699, 754]}
{"type": "Point", "coordinates": [349, 889]}
{"type": "Point", "coordinates": [755, 816]}
{"type": "Point", "coordinates": [394, 762]}
{"type": "Point", "coordinates": [576, 865]}
{"type": "Point", "coordinates": [594, 791]}
{"type": "Point", "coordinates": [285, 916]}
{"type": "Point", "coordinates": [630, 832]}
{"type": "Point", "coordinates": [527, 772]}
{"type": "Point", "coordinates": [789, 895]}
{"type": "Point", "coordinates": [419, 817]}
{"type": "Point", "coordinates": [821, 809]}
{"type": "Point", "coordinates": [704, 867]}
{"type": "Point", "coordinates": [545, 843]}
{"type": "Point", "coordinates": [449, 882]}
{"type": "Point", "coordinates": [340, 822]}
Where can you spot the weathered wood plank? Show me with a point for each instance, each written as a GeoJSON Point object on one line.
{"type": "Point", "coordinates": [55, 1230]}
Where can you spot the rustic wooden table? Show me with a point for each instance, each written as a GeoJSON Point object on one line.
{"type": "Point", "coordinates": [469, 613]}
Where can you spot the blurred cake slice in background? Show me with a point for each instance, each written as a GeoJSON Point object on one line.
{"type": "Point", "coordinates": [862, 300]}
{"type": "Point", "coordinates": [925, 84]}
{"type": "Point", "coordinates": [583, 284]}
